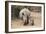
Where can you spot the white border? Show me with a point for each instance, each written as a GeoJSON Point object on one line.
{"type": "Point", "coordinates": [29, 28]}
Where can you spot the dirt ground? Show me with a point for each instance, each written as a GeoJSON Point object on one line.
{"type": "Point", "coordinates": [17, 23]}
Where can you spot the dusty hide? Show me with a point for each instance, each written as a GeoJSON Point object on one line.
{"type": "Point", "coordinates": [25, 15]}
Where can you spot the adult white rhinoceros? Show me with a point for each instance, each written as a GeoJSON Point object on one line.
{"type": "Point", "coordinates": [25, 15]}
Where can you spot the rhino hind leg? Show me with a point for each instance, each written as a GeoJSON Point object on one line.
{"type": "Point", "coordinates": [32, 22]}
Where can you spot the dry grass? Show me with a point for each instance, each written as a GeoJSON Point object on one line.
{"type": "Point", "coordinates": [17, 23]}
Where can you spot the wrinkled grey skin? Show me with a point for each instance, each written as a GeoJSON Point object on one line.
{"type": "Point", "coordinates": [25, 15]}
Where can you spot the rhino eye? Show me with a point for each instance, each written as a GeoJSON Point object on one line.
{"type": "Point", "coordinates": [22, 13]}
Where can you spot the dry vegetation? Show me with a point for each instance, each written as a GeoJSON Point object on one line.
{"type": "Point", "coordinates": [17, 23]}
